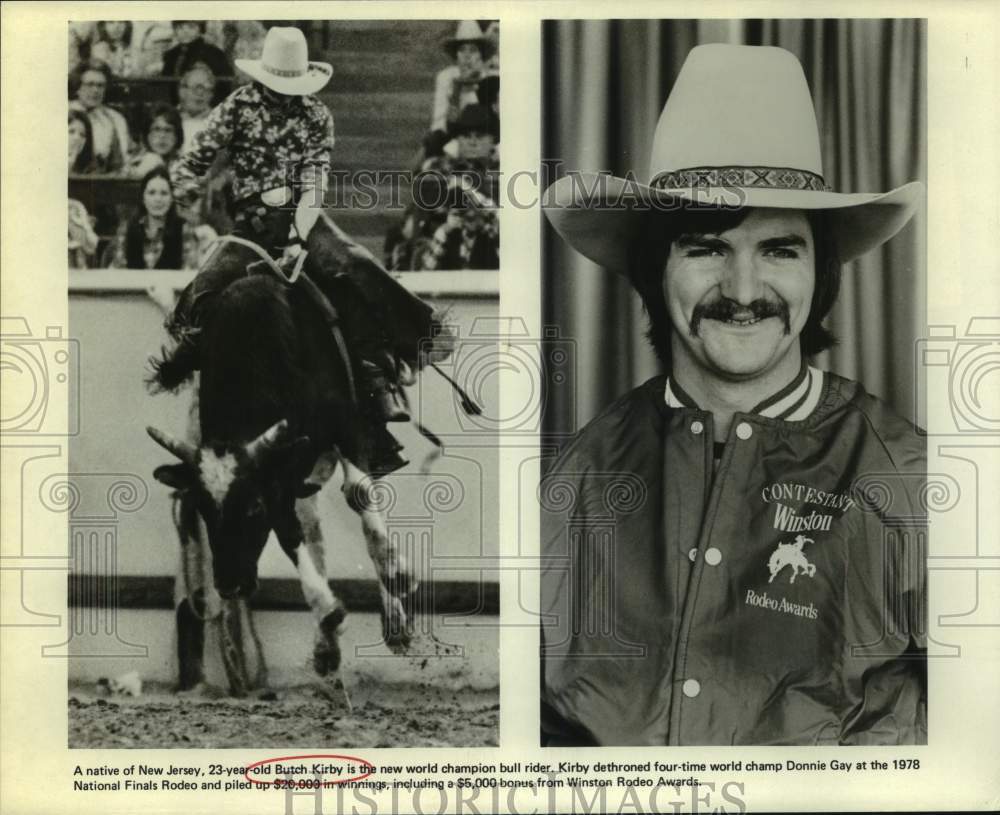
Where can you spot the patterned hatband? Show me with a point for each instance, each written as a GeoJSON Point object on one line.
{"type": "Point", "coordinates": [295, 72]}
{"type": "Point", "coordinates": [774, 178]}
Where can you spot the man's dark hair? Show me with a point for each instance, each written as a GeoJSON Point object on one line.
{"type": "Point", "coordinates": [102, 32]}
{"type": "Point", "coordinates": [84, 162]}
{"type": "Point", "coordinates": [659, 231]}
{"type": "Point", "coordinates": [76, 75]}
{"type": "Point", "coordinates": [161, 110]}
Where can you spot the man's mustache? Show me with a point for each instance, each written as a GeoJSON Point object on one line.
{"type": "Point", "coordinates": [724, 309]}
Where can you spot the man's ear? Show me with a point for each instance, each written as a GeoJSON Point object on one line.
{"type": "Point", "coordinates": [305, 489]}
{"type": "Point", "coordinates": [178, 476]}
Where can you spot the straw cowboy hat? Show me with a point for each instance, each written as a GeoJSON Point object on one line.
{"type": "Point", "coordinates": [469, 31]}
{"type": "Point", "coordinates": [738, 129]}
{"type": "Point", "coordinates": [284, 64]}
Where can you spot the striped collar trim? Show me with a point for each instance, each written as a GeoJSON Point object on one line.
{"type": "Point", "coordinates": [792, 403]}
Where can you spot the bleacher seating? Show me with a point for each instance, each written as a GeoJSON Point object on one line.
{"type": "Point", "coordinates": [380, 95]}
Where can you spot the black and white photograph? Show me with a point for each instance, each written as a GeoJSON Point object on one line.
{"type": "Point", "coordinates": [734, 531]}
{"type": "Point", "coordinates": [279, 483]}
{"type": "Point", "coordinates": [348, 469]}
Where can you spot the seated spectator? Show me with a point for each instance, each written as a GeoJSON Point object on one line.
{"type": "Point", "coordinates": [156, 237]}
{"type": "Point", "coordinates": [161, 141]}
{"type": "Point", "coordinates": [112, 143]}
{"type": "Point", "coordinates": [455, 86]}
{"type": "Point", "coordinates": [475, 134]}
{"type": "Point", "coordinates": [196, 89]}
{"type": "Point", "coordinates": [192, 50]}
{"type": "Point", "coordinates": [103, 218]}
{"type": "Point", "coordinates": [82, 238]}
{"type": "Point", "coordinates": [466, 234]}
{"type": "Point", "coordinates": [113, 45]}
{"type": "Point", "coordinates": [154, 40]}
{"type": "Point", "coordinates": [81, 144]}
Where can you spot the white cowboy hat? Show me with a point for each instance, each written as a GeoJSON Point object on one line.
{"type": "Point", "coordinates": [469, 31]}
{"type": "Point", "coordinates": [284, 64]}
{"type": "Point", "coordinates": [738, 129]}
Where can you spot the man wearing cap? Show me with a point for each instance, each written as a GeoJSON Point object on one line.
{"type": "Point", "coordinates": [731, 552]}
{"type": "Point", "coordinates": [469, 238]}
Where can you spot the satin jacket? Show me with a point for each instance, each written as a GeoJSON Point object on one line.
{"type": "Point", "coordinates": [775, 595]}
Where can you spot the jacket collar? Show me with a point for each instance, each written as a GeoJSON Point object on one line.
{"type": "Point", "coordinates": [793, 403]}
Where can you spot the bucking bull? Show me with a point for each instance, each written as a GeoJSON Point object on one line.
{"type": "Point", "coordinates": [278, 411]}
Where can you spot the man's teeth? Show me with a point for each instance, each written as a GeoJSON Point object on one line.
{"type": "Point", "coordinates": [748, 321]}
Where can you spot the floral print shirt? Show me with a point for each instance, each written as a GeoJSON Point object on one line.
{"type": "Point", "coordinates": [271, 143]}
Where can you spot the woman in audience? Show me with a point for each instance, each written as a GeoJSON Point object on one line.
{"type": "Point", "coordinates": [113, 46]}
{"type": "Point", "coordinates": [87, 85]}
{"type": "Point", "coordinates": [161, 141]}
{"type": "Point", "coordinates": [81, 144]}
{"type": "Point", "coordinates": [82, 238]}
{"type": "Point", "coordinates": [156, 237]}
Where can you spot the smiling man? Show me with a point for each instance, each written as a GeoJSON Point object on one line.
{"type": "Point", "coordinates": [733, 552]}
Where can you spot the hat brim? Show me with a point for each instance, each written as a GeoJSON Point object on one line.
{"type": "Point", "coordinates": [490, 128]}
{"type": "Point", "coordinates": [314, 79]}
{"type": "Point", "coordinates": [600, 215]}
{"type": "Point", "coordinates": [485, 45]}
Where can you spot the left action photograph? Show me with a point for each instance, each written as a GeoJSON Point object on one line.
{"type": "Point", "coordinates": [282, 495]}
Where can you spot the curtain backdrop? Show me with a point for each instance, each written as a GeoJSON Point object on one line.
{"type": "Point", "coordinates": [605, 84]}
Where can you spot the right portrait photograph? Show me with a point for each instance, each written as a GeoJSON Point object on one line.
{"type": "Point", "coordinates": [733, 508]}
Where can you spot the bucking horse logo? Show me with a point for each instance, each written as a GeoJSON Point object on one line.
{"type": "Point", "coordinates": [791, 554]}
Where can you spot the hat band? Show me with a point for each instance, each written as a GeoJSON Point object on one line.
{"type": "Point", "coordinates": [773, 178]}
{"type": "Point", "coordinates": [280, 72]}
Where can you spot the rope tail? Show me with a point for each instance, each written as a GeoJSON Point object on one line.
{"type": "Point", "coordinates": [435, 454]}
{"type": "Point", "coordinates": [470, 407]}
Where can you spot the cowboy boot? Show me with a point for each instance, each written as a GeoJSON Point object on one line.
{"type": "Point", "coordinates": [384, 392]}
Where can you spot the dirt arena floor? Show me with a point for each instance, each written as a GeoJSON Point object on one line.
{"type": "Point", "coordinates": [407, 715]}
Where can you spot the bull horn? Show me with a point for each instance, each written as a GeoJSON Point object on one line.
{"type": "Point", "coordinates": [266, 441]}
{"type": "Point", "coordinates": [185, 451]}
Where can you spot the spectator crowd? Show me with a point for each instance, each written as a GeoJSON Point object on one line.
{"type": "Point", "coordinates": [140, 92]}
{"type": "Point", "coordinates": [452, 221]}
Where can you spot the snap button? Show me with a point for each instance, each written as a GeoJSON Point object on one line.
{"type": "Point", "coordinates": [697, 427]}
{"type": "Point", "coordinates": [744, 431]}
{"type": "Point", "coordinates": [693, 554]}
{"type": "Point", "coordinates": [713, 557]}
{"type": "Point", "coordinates": [691, 688]}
